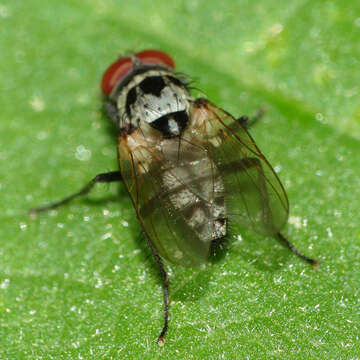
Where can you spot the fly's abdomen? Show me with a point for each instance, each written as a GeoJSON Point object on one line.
{"type": "Point", "coordinates": [196, 192]}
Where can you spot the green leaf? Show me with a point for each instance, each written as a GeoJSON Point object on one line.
{"type": "Point", "coordinates": [79, 283]}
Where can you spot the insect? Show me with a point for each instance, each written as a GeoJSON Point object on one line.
{"type": "Point", "coordinates": [190, 167]}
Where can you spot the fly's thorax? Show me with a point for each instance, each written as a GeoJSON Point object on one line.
{"type": "Point", "coordinates": [155, 98]}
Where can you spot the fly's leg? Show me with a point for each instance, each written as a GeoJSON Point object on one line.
{"type": "Point", "coordinates": [247, 122]}
{"type": "Point", "coordinates": [165, 280]}
{"type": "Point", "coordinates": [112, 176]}
{"type": "Point", "coordinates": [161, 338]}
{"type": "Point", "coordinates": [285, 241]}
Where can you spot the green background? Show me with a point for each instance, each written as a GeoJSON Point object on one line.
{"type": "Point", "coordinates": [79, 283]}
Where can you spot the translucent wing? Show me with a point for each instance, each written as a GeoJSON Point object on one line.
{"type": "Point", "coordinates": [147, 169]}
{"type": "Point", "coordinates": [254, 195]}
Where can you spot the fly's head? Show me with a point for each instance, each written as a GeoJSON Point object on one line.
{"type": "Point", "coordinates": [144, 93]}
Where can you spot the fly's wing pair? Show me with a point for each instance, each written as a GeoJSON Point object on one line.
{"type": "Point", "coordinates": [254, 196]}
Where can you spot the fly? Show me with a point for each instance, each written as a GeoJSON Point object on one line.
{"type": "Point", "coordinates": [190, 167]}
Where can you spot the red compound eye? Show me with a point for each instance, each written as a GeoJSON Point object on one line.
{"type": "Point", "coordinates": [116, 71]}
{"type": "Point", "coordinates": [155, 57]}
